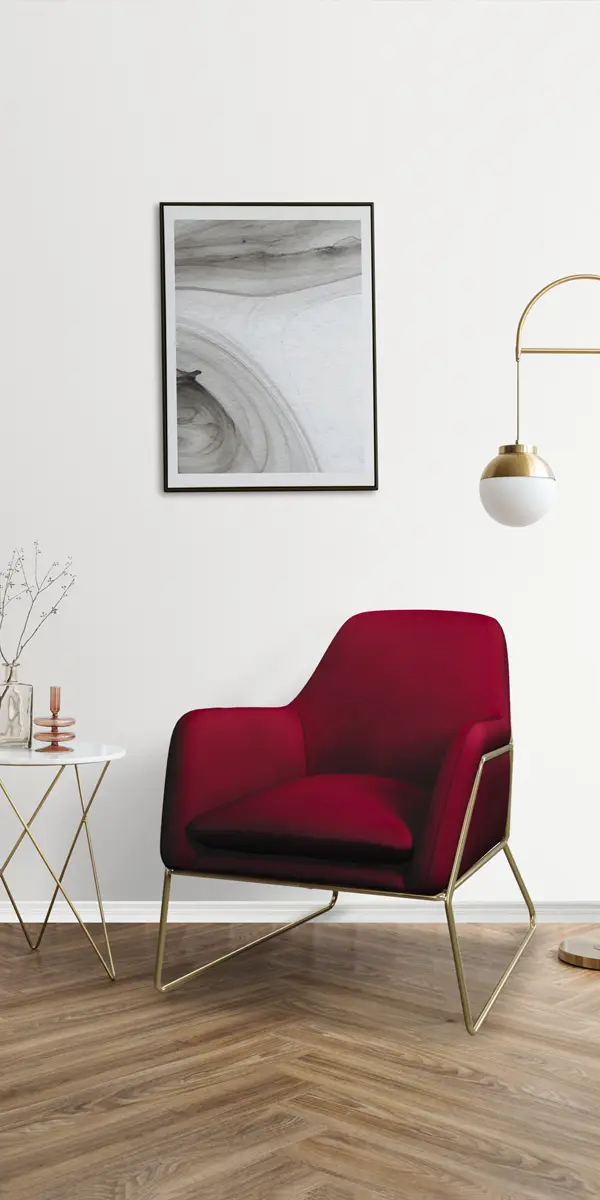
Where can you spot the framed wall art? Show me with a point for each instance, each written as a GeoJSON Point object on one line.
{"type": "Point", "coordinates": [268, 325]}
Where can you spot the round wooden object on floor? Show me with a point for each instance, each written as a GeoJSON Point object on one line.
{"type": "Point", "coordinates": [581, 951]}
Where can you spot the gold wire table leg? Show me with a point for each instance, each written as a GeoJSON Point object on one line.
{"type": "Point", "coordinates": [109, 968]}
{"type": "Point", "coordinates": [93, 860]}
{"type": "Point", "coordinates": [83, 824]}
{"type": "Point", "coordinates": [19, 917]}
{"type": "Point", "coordinates": [474, 1025]}
{"type": "Point", "coordinates": [162, 935]}
{"type": "Point", "coordinates": [82, 821]}
{"type": "Point", "coordinates": [34, 814]}
{"type": "Point", "coordinates": [23, 834]}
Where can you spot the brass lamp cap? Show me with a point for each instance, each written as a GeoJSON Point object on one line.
{"type": "Point", "coordinates": [518, 460]}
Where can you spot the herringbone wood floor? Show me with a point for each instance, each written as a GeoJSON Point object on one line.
{"type": "Point", "coordinates": [329, 1065]}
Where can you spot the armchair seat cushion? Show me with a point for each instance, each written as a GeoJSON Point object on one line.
{"type": "Point", "coordinates": [356, 818]}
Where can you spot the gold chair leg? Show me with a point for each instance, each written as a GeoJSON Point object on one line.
{"type": "Point", "coordinates": [473, 1026]}
{"type": "Point", "coordinates": [162, 936]}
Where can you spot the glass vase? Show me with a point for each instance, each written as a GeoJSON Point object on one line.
{"type": "Point", "coordinates": [16, 709]}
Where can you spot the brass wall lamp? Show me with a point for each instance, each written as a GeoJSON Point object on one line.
{"type": "Point", "coordinates": [518, 487]}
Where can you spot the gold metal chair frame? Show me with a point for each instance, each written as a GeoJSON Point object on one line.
{"type": "Point", "coordinates": [58, 879]}
{"type": "Point", "coordinates": [473, 1025]}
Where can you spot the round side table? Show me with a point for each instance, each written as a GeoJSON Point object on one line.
{"type": "Point", "coordinates": [81, 752]}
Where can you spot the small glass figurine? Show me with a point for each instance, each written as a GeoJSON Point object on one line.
{"type": "Point", "coordinates": [56, 727]}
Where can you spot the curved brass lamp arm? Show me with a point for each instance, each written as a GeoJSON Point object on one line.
{"type": "Point", "coordinates": [519, 349]}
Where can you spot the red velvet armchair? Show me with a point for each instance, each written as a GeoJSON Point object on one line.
{"type": "Point", "coordinates": [390, 773]}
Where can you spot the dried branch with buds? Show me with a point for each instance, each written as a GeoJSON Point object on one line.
{"type": "Point", "coordinates": [22, 585]}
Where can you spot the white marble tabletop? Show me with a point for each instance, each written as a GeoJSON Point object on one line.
{"type": "Point", "coordinates": [79, 752]}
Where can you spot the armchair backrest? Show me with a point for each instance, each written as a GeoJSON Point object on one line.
{"type": "Point", "coordinates": [395, 687]}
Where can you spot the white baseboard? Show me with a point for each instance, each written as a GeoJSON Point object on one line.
{"type": "Point", "coordinates": [352, 909]}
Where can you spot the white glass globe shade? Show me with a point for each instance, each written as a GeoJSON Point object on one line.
{"type": "Point", "coordinates": [517, 486]}
{"type": "Point", "coordinates": [517, 499]}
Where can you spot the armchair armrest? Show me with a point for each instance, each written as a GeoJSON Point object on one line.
{"type": "Point", "coordinates": [219, 754]}
{"type": "Point", "coordinates": [432, 865]}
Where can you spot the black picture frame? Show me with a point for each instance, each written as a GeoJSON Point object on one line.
{"type": "Point", "coordinates": [164, 206]}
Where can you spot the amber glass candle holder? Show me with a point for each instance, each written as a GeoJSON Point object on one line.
{"type": "Point", "coordinates": [55, 727]}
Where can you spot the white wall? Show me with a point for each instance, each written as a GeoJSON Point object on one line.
{"type": "Point", "coordinates": [474, 128]}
